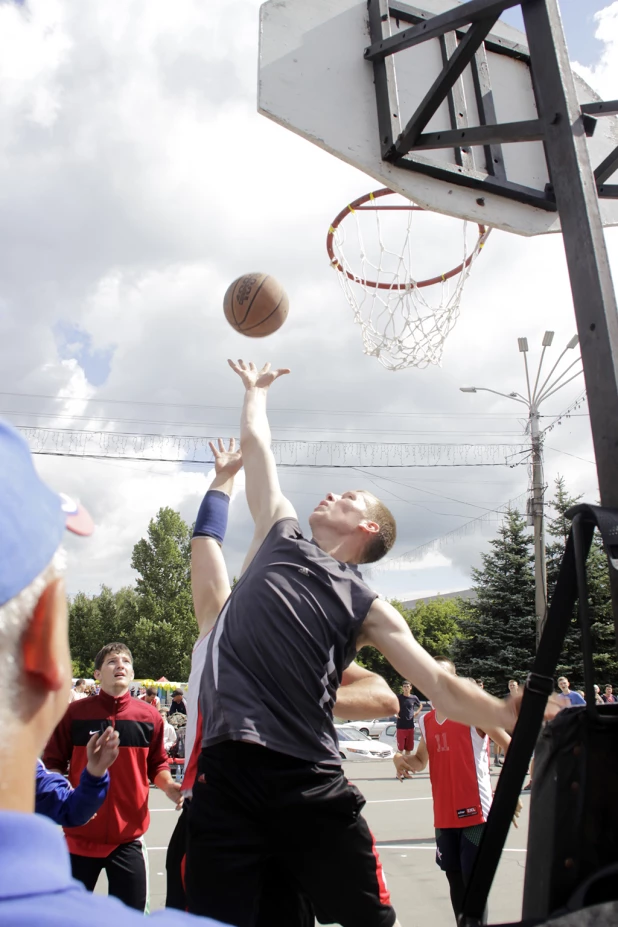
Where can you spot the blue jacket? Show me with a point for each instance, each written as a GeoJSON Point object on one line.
{"type": "Point", "coordinates": [57, 799]}
{"type": "Point", "coordinates": [36, 887]}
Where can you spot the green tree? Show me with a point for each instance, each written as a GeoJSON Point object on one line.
{"type": "Point", "coordinates": [164, 634]}
{"type": "Point", "coordinates": [438, 623]}
{"type": "Point", "coordinates": [85, 634]}
{"type": "Point", "coordinates": [497, 630]}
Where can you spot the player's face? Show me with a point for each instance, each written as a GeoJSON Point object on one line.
{"type": "Point", "coordinates": [341, 513]}
{"type": "Point", "coordinates": [116, 674]}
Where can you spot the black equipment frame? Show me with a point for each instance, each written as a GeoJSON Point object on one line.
{"type": "Point", "coordinates": [562, 125]}
{"type": "Point", "coordinates": [571, 587]}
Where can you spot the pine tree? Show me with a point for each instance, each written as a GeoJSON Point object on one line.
{"type": "Point", "coordinates": [599, 599]}
{"type": "Point", "coordinates": [497, 639]}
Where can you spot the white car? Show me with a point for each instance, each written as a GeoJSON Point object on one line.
{"type": "Point", "coordinates": [359, 748]}
{"type": "Point", "coordinates": [372, 728]}
{"type": "Point", "coordinates": [389, 736]}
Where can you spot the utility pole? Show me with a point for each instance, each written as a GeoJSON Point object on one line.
{"type": "Point", "coordinates": [536, 510]}
{"type": "Point", "coordinates": [538, 517]}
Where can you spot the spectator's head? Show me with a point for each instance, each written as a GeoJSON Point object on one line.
{"type": "Point", "coordinates": [113, 668]}
{"type": "Point", "coordinates": [513, 686]}
{"type": "Point", "coordinates": [596, 690]}
{"type": "Point", "coordinates": [177, 696]}
{"type": "Point", "coordinates": [80, 685]}
{"type": "Point", "coordinates": [609, 690]}
{"type": "Point", "coordinates": [480, 683]}
{"type": "Point", "coordinates": [563, 684]}
{"type": "Point", "coordinates": [34, 649]}
{"type": "Point", "coordinates": [163, 713]}
{"type": "Point", "coordinates": [151, 695]}
{"type": "Point", "coordinates": [406, 687]}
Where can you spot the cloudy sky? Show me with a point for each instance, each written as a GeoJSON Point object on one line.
{"type": "Point", "coordinates": [138, 180]}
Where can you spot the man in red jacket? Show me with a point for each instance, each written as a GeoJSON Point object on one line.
{"type": "Point", "coordinates": [113, 839]}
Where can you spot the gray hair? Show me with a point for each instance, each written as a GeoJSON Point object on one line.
{"type": "Point", "coordinates": [16, 614]}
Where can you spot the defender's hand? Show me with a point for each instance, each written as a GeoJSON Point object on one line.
{"type": "Point", "coordinates": [254, 378]}
{"type": "Point", "coordinates": [517, 812]}
{"type": "Point", "coordinates": [102, 750]}
{"type": "Point", "coordinates": [404, 771]}
{"type": "Point", "coordinates": [226, 462]}
{"type": "Point", "coordinates": [173, 792]}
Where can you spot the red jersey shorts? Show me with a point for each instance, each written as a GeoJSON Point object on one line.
{"type": "Point", "coordinates": [405, 739]}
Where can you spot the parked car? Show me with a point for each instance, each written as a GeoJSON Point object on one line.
{"type": "Point", "coordinates": [372, 728]}
{"type": "Point", "coordinates": [358, 747]}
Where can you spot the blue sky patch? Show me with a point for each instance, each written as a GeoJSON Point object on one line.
{"type": "Point", "coordinates": [72, 342]}
{"type": "Point", "coordinates": [579, 27]}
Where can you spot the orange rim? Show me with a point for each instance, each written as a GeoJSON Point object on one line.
{"type": "Point", "coordinates": [360, 205]}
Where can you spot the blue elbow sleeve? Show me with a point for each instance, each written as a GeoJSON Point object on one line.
{"type": "Point", "coordinates": [211, 521]}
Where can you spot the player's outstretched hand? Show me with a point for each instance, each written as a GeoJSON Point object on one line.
{"type": "Point", "coordinates": [252, 377]}
{"type": "Point", "coordinates": [102, 750]}
{"type": "Point", "coordinates": [228, 462]}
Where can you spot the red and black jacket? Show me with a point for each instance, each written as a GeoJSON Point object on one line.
{"type": "Point", "coordinates": [124, 814]}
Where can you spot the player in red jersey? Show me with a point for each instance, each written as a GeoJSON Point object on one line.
{"type": "Point", "coordinates": [458, 758]}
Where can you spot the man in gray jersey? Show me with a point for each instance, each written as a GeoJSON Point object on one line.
{"type": "Point", "coordinates": [270, 790]}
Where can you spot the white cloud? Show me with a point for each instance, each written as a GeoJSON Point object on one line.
{"type": "Point", "coordinates": [138, 181]}
{"type": "Point", "coordinates": [603, 75]}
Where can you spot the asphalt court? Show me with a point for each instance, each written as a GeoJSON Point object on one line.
{"type": "Point", "coordinates": [401, 818]}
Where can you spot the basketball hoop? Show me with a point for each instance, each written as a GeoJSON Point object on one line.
{"type": "Point", "coordinates": [404, 321]}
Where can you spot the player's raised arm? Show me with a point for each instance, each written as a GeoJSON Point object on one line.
{"type": "Point", "coordinates": [264, 497]}
{"type": "Point", "coordinates": [458, 699]}
{"type": "Point", "coordinates": [210, 584]}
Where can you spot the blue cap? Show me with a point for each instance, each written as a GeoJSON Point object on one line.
{"type": "Point", "coordinates": [32, 517]}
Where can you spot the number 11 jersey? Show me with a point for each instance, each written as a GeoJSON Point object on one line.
{"type": "Point", "coordinates": [459, 772]}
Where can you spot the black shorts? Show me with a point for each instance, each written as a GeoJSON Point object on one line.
{"type": "Point", "coordinates": [456, 848]}
{"type": "Point", "coordinates": [255, 812]}
{"type": "Point", "coordinates": [279, 899]}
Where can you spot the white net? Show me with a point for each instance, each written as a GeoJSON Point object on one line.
{"type": "Point", "coordinates": [404, 318]}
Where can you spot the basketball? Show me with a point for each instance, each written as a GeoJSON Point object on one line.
{"type": "Point", "coordinates": [256, 305]}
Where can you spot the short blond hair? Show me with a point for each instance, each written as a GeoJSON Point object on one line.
{"type": "Point", "coordinates": [379, 544]}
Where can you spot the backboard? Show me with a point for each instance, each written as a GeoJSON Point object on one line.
{"type": "Point", "coordinates": [314, 80]}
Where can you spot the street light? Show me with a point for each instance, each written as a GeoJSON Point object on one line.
{"type": "Point", "coordinates": [535, 397]}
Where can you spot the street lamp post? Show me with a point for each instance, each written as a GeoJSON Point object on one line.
{"type": "Point", "coordinates": [536, 396]}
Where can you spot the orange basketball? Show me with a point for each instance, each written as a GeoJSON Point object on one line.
{"type": "Point", "coordinates": [256, 305]}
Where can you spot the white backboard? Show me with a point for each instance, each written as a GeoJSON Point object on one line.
{"type": "Point", "coordinates": [314, 81]}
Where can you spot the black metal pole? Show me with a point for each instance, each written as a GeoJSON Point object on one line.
{"type": "Point", "coordinates": [574, 187]}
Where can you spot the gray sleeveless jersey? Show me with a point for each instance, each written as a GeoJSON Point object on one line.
{"type": "Point", "coordinates": [278, 650]}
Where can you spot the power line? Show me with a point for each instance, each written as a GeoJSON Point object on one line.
{"type": "Point", "coordinates": [296, 411]}
{"type": "Point", "coordinates": [222, 426]}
